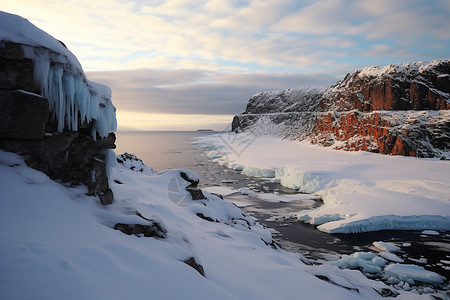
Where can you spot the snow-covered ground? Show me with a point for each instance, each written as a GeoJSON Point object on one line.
{"type": "Point", "coordinates": [58, 243]}
{"type": "Point", "coordinates": [361, 191]}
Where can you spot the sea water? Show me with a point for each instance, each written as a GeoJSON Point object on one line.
{"type": "Point", "coordinates": [162, 150]}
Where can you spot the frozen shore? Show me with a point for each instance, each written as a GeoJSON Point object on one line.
{"type": "Point", "coordinates": [361, 191]}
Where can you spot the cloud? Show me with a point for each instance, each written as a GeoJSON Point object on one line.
{"type": "Point", "coordinates": [242, 36]}
{"type": "Point", "coordinates": [200, 92]}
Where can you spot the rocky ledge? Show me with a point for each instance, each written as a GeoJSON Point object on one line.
{"type": "Point", "coordinates": [397, 109]}
{"type": "Point", "coordinates": [50, 112]}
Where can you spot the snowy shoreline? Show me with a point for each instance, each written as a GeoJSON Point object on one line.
{"type": "Point", "coordinates": [361, 191]}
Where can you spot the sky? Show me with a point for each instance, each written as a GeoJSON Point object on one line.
{"type": "Point", "coordinates": [190, 64]}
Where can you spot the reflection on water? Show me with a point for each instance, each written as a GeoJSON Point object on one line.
{"type": "Point", "coordinates": [160, 150]}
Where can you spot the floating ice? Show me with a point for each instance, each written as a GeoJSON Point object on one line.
{"type": "Point", "coordinates": [257, 172]}
{"type": "Point", "coordinates": [412, 272]}
{"type": "Point", "coordinates": [366, 261]}
{"type": "Point", "coordinates": [391, 257]}
{"type": "Point", "coordinates": [430, 232]}
{"type": "Point", "coordinates": [221, 190]}
{"type": "Point", "coordinates": [388, 247]}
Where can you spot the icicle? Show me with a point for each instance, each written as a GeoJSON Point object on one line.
{"type": "Point", "coordinates": [69, 93]}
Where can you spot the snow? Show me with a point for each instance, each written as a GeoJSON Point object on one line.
{"type": "Point", "coordinates": [377, 71]}
{"type": "Point", "coordinates": [361, 191]}
{"type": "Point", "coordinates": [58, 243]}
{"type": "Point", "coordinates": [61, 78]}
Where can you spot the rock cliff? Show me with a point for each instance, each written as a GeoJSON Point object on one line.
{"type": "Point", "coordinates": [49, 112]}
{"type": "Point", "coordinates": [397, 109]}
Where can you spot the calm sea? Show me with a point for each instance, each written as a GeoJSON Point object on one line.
{"type": "Point", "coordinates": [161, 150]}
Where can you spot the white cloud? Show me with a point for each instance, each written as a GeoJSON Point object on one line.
{"type": "Point", "coordinates": [246, 36]}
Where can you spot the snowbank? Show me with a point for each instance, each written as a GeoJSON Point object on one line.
{"type": "Point", "coordinates": [361, 191]}
{"type": "Point", "coordinates": [61, 78]}
{"type": "Point", "coordinates": [58, 243]}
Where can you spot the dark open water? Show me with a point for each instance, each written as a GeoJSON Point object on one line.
{"type": "Point", "coordinates": [164, 150]}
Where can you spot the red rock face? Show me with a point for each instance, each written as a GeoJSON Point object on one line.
{"type": "Point", "coordinates": [415, 89]}
{"type": "Point", "coordinates": [397, 109]}
{"type": "Point", "coordinates": [360, 131]}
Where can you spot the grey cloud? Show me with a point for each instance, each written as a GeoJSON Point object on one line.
{"type": "Point", "coordinates": [195, 91]}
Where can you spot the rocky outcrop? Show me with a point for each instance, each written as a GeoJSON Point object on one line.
{"type": "Point", "coordinates": [397, 109]}
{"type": "Point", "coordinates": [414, 86]}
{"type": "Point", "coordinates": [153, 229]}
{"type": "Point", "coordinates": [41, 116]}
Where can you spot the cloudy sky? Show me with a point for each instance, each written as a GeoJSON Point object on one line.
{"type": "Point", "coordinates": [189, 64]}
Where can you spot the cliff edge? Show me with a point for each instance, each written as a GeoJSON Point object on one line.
{"type": "Point", "coordinates": [50, 112]}
{"type": "Point", "coordinates": [397, 109]}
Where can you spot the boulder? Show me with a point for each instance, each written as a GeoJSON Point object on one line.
{"type": "Point", "coordinates": [22, 115]}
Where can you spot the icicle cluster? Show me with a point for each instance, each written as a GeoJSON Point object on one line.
{"type": "Point", "coordinates": [72, 98]}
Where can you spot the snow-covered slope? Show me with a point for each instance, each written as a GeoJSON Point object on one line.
{"type": "Point", "coordinates": [58, 243]}
{"type": "Point", "coordinates": [60, 77]}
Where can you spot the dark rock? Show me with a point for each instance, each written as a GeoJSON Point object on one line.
{"type": "Point", "coordinates": [107, 142]}
{"type": "Point", "coordinates": [209, 219]}
{"type": "Point", "coordinates": [16, 71]}
{"type": "Point", "coordinates": [151, 230]}
{"type": "Point", "coordinates": [107, 197]}
{"type": "Point", "coordinates": [193, 183]}
{"type": "Point", "coordinates": [22, 115]}
{"type": "Point", "coordinates": [70, 157]}
{"type": "Point", "coordinates": [193, 263]}
{"type": "Point", "coordinates": [196, 193]}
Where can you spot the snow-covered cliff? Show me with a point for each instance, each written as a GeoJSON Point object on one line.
{"type": "Point", "coordinates": [73, 99]}
{"type": "Point", "coordinates": [397, 109]}
{"type": "Point", "coordinates": [50, 112]}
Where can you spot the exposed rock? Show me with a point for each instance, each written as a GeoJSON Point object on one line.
{"type": "Point", "coordinates": [133, 163]}
{"type": "Point", "coordinates": [193, 183]}
{"type": "Point", "coordinates": [378, 109]}
{"type": "Point", "coordinates": [22, 115]}
{"type": "Point", "coordinates": [16, 71]}
{"type": "Point", "coordinates": [196, 193]}
{"type": "Point", "coordinates": [148, 230]}
{"type": "Point", "coordinates": [193, 263]}
{"type": "Point", "coordinates": [209, 219]}
{"type": "Point", "coordinates": [70, 157]}
{"type": "Point", "coordinates": [28, 122]}
{"type": "Point", "coordinates": [414, 86]}
{"type": "Point", "coordinates": [107, 197]}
